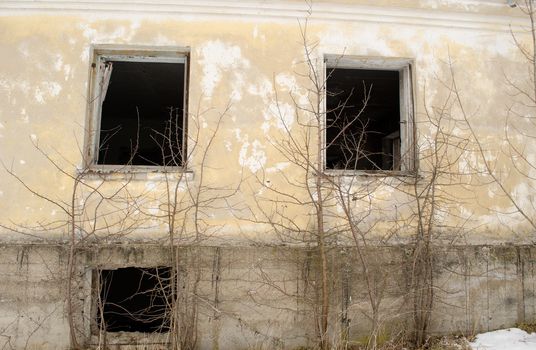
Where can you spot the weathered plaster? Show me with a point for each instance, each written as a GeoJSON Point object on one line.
{"type": "Point", "coordinates": [239, 70]}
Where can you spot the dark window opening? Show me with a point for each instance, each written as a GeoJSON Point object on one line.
{"type": "Point", "coordinates": [134, 300]}
{"type": "Point", "coordinates": [363, 119]}
{"type": "Point", "coordinates": [141, 121]}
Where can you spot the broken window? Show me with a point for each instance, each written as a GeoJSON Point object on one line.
{"type": "Point", "coordinates": [368, 116]}
{"type": "Point", "coordinates": [140, 113]}
{"type": "Point", "coordinates": [134, 299]}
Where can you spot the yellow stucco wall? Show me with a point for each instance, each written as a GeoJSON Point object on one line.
{"type": "Point", "coordinates": [244, 66]}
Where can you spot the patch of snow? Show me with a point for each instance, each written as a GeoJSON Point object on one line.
{"type": "Point", "coordinates": [511, 339]}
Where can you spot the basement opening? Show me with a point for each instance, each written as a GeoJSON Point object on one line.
{"type": "Point", "coordinates": [134, 299]}
{"type": "Point", "coordinates": [141, 111]}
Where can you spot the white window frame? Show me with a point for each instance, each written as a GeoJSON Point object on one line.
{"type": "Point", "coordinates": [404, 66]}
{"type": "Point", "coordinates": [103, 53]}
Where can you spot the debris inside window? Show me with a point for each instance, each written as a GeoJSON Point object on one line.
{"type": "Point", "coordinates": [363, 119]}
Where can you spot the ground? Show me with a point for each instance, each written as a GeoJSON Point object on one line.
{"type": "Point", "coordinates": [511, 339]}
{"type": "Point", "coordinates": [502, 339]}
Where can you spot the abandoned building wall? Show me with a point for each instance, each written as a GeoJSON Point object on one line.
{"type": "Point", "coordinates": [245, 84]}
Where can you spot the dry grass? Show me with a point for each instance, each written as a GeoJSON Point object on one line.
{"type": "Point", "coordinates": [432, 343]}
{"type": "Point", "coordinates": [529, 327]}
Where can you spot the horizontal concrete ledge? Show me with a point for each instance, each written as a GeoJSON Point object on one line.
{"type": "Point", "coordinates": [245, 244]}
{"type": "Point", "coordinates": [279, 10]}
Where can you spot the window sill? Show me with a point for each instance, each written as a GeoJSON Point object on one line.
{"type": "Point", "coordinates": [369, 173]}
{"type": "Point", "coordinates": [135, 173]}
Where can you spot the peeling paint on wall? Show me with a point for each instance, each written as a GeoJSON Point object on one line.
{"type": "Point", "coordinates": [217, 57]}
{"type": "Point", "coordinates": [252, 156]}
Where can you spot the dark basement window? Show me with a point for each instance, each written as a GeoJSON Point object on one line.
{"type": "Point", "coordinates": [366, 119]}
{"type": "Point", "coordinates": [141, 114]}
{"type": "Point", "coordinates": [134, 299]}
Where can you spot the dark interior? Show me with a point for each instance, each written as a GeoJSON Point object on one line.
{"type": "Point", "coordinates": [369, 140]}
{"type": "Point", "coordinates": [142, 115]}
{"type": "Point", "coordinates": [134, 299]}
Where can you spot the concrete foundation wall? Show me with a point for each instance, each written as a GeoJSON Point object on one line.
{"type": "Point", "coordinates": [32, 297]}
{"type": "Point", "coordinates": [265, 297]}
